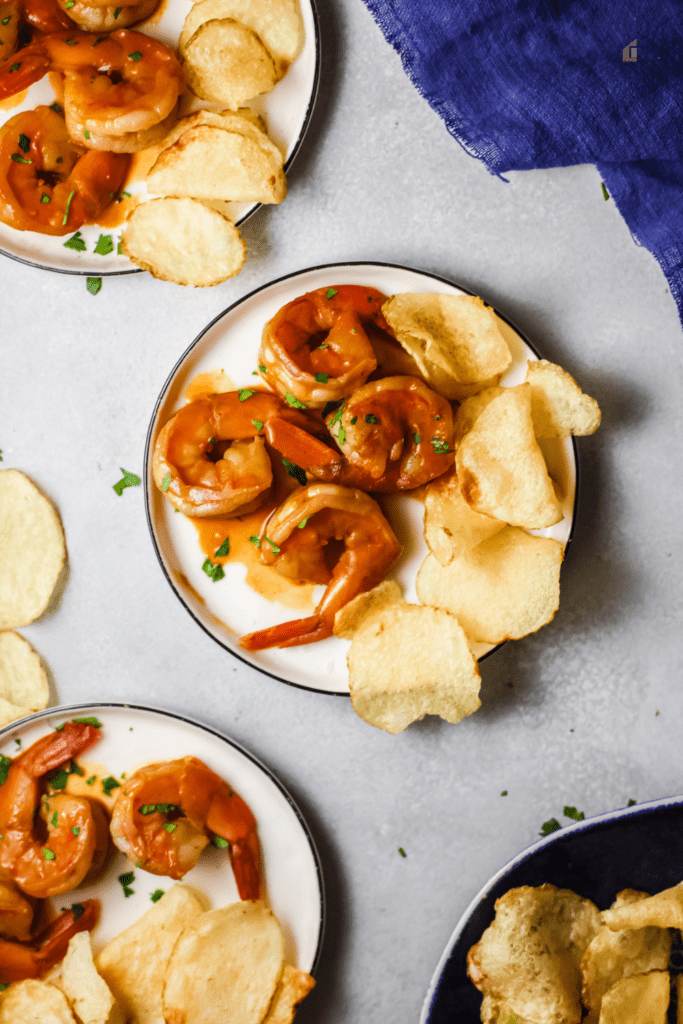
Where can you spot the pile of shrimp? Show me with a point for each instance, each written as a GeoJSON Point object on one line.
{"type": "Point", "coordinates": [51, 841]}
{"type": "Point", "coordinates": [348, 432]}
{"type": "Point", "coordinates": [61, 166]}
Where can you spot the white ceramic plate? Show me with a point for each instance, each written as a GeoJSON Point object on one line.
{"type": "Point", "coordinates": [286, 110]}
{"type": "Point", "coordinates": [231, 343]}
{"type": "Point", "coordinates": [132, 735]}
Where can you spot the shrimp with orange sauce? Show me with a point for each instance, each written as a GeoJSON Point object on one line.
{"type": "Point", "coordinates": [167, 813]}
{"type": "Point", "coordinates": [210, 458]}
{"type": "Point", "coordinates": [48, 183]}
{"type": "Point", "coordinates": [93, 16]}
{"type": "Point", "coordinates": [318, 347]}
{"type": "Point", "coordinates": [120, 90]}
{"type": "Point", "coordinates": [34, 958]}
{"type": "Point", "coordinates": [293, 540]}
{"type": "Point", "coordinates": [47, 842]}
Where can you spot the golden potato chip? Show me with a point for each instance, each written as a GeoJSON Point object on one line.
{"type": "Point", "coordinates": [467, 413]}
{"type": "Point", "coordinates": [501, 469]}
{"type": "Point", "coordinates": [407, 661]}
{"type": "Point", "coordinates": [454, 339]}
{"type": "Point", "coordinates": [558, 405]}
{"type": "Point", "coordinates": [451, 526]}
{"type": "Point", "coordinates": [529, 957]}
{"type": "Point", "coordinates": [277, 23]}
{"type": "Point", "coordinates": [356, 612]}
{"type": "Point", "coordinates": [134, 963]}
{"type": "Point", "coordinates": [225, 966]}
{"type": "Point", "coordinates": [34, 1002]}
{"type": "Point", "coordinates": [33, 550]}
{"type": "Point", "coordinates": [180, 240]}
{"type": "Point", "coordinates": [293, 987]}
{"type": "Point", "coordinates": [679, 998]}
{"type": "Point", "coordinates": [210, 162]}
{"type": "Point", "coordinates": [225, 62]}
{"type": "Point", "coordinates": [494, 1011]}
{"type": "Point", "coordinates": [663, 910]}
{"type": "Point", "coordinates": [244, 121]}
{"type": "Point", "coordinates": [23, 684]}
{"type": "Point", "coordinates": [87, 992]}
{"type": "Point", "coordinates": [503, 589]}
{"type": "Point", "coordinates": [612, 956]}
{"type": "Point", "coordinates": [643, 999]}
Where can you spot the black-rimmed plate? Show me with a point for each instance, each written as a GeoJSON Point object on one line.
{"type": "Point", "coordinates": [287, 112]}
{"type": "Point", "coordinates": [637, 847]}
{"type": "Point", "coordinates": [132, 735]}
{"type": "Point", "coordinates": [230, 608]}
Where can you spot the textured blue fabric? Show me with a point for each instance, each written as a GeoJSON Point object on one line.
{"type": "Point", "coordinates": [544, 83]}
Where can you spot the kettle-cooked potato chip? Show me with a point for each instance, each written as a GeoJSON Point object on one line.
{"type": "Point", "coordinates": [501, 469]}
{"type": "Point", "coordinates": [351, 616]}
{"type": "Point", "coordinates": [293, 987]}
{"type": "Point", "coordinates": [23, 683]}
{"type": "Point", "coordinates": [495, 1011]}
{"type": "Point", "coordinates": [451, 526]}
{"type": "Point", "coordinates": [558, 405]}
{"type": "Point", "coordinates": [34, 1002]}
{"type": "Point", "coordinates": [663, 910]}
{"type": "Point", "coordinates": [225, 62]}
{"type": "Point", "coordinates": [503, 589]}
{"type": "Point", "coordinates": [643, 999]}
{"type": "Point", "coordinates": [86, 991]}
{"type": "Point", "coordinates": [33, 550]}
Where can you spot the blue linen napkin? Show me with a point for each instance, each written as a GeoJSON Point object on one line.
{"type": "Point", "coordinates": [548, 83]}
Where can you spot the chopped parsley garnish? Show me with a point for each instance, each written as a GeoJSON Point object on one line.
{"type": "Point", "coordinates": [6, 21]}
{"type": "Point", "coordinates": [303, 523]}
{"type": "Point", "coordinates": [341, 435]}
{"type": "Point", "coordinates": [104, 245]}
{"type": "Point", "coordinates": [55, 106]}
{"type": "Point", "coordinates": [48, 854]}
{"type": "Point", "coordinates": [605, 193]}
{"type": "Point", "coordinates": [244, 393]}
{"type": "Point", "coordinates": [86, 135]}
{"type": "Point", "coordinates": [5, 763]}
{"type": "Point", "coordinates": [296, 471]}
{"type": "Point", "coordinates": [370, 418]}
{"type": "Point", "coordinates": [440, 446]}
{"type": "Point", "coordinates": [263, 369]}
{"type": "Point", "coordinates": [258, 424]}
{"type": "Point", "coordinates": [324, 345]}
{"type": "Point", "coordinates": [18, 740]}
{"type": "Point", "coordinates": [156, 895]}
{"type": "Point", "coordinates": [45, 198]}
{"type": "Point", "coordinates": [54, 819]}
{"type": "Point", "coordinates": [275, 549]}
{"type": "Point", "coordinates": [117, 11]}
{"type": "Point", "coordinates": [127, 891]}
{"type": "Point", "coordinates": [68, 207]}
{"type": "Point", "coordinates": [78, 910]}
{"type": "Point", "coordinates": [93, 284]}
{"type": "Point", "coordinates": [416, 438]}
{"type": "Point", "coordinates": [550, 826]}
{"type": "Point", "coordinates": [354, 420]}
{"type": "Point", "coordinates": [69, 4]}
{"type": "Point", "coordinates": [76, 830]}
{"type": "Point", "coordinates": [294, 402]}
{"type": "Point", "coordinates": [71, 41]}
{"type": "Point", "coordinates": [329, 406]}
{"type": "Point", "coordinates": [102, 38]}
{"type": "Point", "coordinates": [436, 417]}
{"type": "Point", "coordinates": [170, 826]}
{"type": "Point", "coordinates": [330, 293]}
{"type": "Point", "coordinates": [128, 479]}
{"type": "Point", "coordinates": [322, 378]}
{"type": "Point", "coordinates": [504, 793]}
{"type": "Point", "coordinates": [76, 769]}
{"type": "Point", "coordinates": [89, 782]}
{"type": "Point", "coordinates": [15, 67]}
{"type": "Point", "coordinates": [161, 808]}
{"type": "Point", "coordinates": [109, 783]}
{"type": "Point", "coordinates": [5, 984]}
{"type": "Point", "coordinates": [19, 159]}
{"type": "Point", "coordinates": [338, 414]}
{"type": "Point", "coordinates": [75, 242]}
{"type": "Point", "coordinates": [220, 842]}
{"type": "Point", "coordinates": [631, 803]}
{"type": "Point", "coordinates": [214, 572]}
{"type": "Point", "coordinates": [256, 541]}
{"type": "Point", "coordinates": [402, 851]}
{"type": "Point", "coordinates": [90, 720]}
{"type": "Point", "coordinates": [571, 812]}
{"type": "Point", "coordinates": [166, 482]}
{"type": "Point", "coordinates": [136, 55]}
{"type": "Point", "coordinates": [59, 778]}
{"type": "Point", "coordinates": [24, 143]}
{"type": "Point", "coordinates": [127, 878]}
{"type": "Point", "coordinates": [223, 550]}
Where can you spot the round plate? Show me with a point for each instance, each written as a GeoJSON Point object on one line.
{"type": "Point", "coordinates": [286, 110]}
{"type": "Point", "coordinates": [231, 342]}
{"type": "Point", "coordinates": [587, 857]}
{"type": "Point", "coordinates": [132, 735]}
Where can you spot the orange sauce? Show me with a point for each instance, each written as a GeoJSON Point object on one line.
{"type": "Point", "coordinates": [78, 784]}
{"type": "Point", "coordinates": [213, 382]}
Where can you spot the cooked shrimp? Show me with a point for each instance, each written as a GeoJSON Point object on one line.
{"type": "Point", "coordinates": [317, 347]}
{"type": "Point", "coordinates": [395, 434]}
{"type": "Point", "coordinates": [293, 541]}
{"type": "Point", "coordinates": [16, 913]}
{"type": "Point", "coordinates": [19, 961]}
{"type": "Point", "coordinates": [201, 476]}
{"type": "Point", "coordinates": [47, 182]}
{"type": "Point", "coordinates": [105, 17]}
{"type": "Point", "coordinates": [46, 843]}
{"type": "Point", "coordinates": [120, 91]}
{"type": "Point", "coordinates": [166, 813]}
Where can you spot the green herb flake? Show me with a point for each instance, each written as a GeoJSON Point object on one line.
{"type": "Point", "coordinates": [127, 891]}
{"type": "Point", "coordinates": [19, 159]}
{"type": "Point", "coordinates": [338, 414]}
{"type": "Point", "coordinates": [166, 483]}
{"type": "Point", "coordinates": [263, 369]}
{"type": "Point", "coordinates": [76, 769]}
{"type": "Point", "coordinates": [296, 471]}
{"type": "Point", "coordinates": [221, 843]}
{"type": "Point", "coordinates": [55, 106]}
{"type": "Point", "coordinates": [631, 803]}
{"type": "Point", "coordinates": [402, 851]}
{"type": "Point", "coordinates": [18, 740]}
{"type": "Point", "coordinates": [258, 424]}
{"type": "Point", "coordinates": [341, 435]}
{"type": "Point", "coordinates": [59, 160]}
{"type": "Point", "coordinates": [104, 246]}
{"type": "Point", "coordinates": [504, 793]}
{"type": "Point", "coordinates": [274, 548]}
{"type": "Point", "coordinates": [136, 55]}
{"type": "Point", "coordinates": [256, 541]}
{"type": "Point", "coordinates": [303, 523]}
{"type": "Point", "coordinates": [5, 984]}
{"type": "Point", "coordinates": [416, 438]}
{"type": "Point", "coordinates": [370, 418]}
{"type": "Point", "coordinates": [109, 783]}
{"type": "Point", "coordinates": [436, 417]}
{"type": "Point", "coordinates": [75, 242]}
{"type": "Point", "coordinates": [93, 284]}
{"type": "Point", "coordinates": [89, 782]}
{"type": "Point", "coordinates": [24, 143]}
{"type": "Point", "coordinates": [128, 480]}
{"type": "Point", "coordinates": [354, 420]}
{"type": "Point", "coordinates": [294, 402]}
{"type": "Point", "coordinates": [127, 878]}
{"type": "Point", "coordinates": [76, 830]}
{"type": "Point", "coordinates": [78, 910]}
{"type": "Point", "coordinates": [322, 378]}
{"type": "Point", "coordinates": [605, 193]}
{"type": "Point", "coordinates": [66, 214]}
{"type": "Point", "coordinates": [550, 826]}
{"type": "Point", "coordinates": [324, 345]}
{"type": "Point", "coordinates": [69, 4]}
{"type": "Point", "coordinates": [59, 779]}
{"type": "Point", "coordinates": [440, 446]}
{"type": "Point", "coordinates": [90, 720]}
{"type": "Point", "coordinates": [7, 20]}
{"type": "Point", "coordinates": [223, 550]}
{"type": "Point", "coordinates": [71, 41]}
{"type": "Point", "coordinates": [244, 393]}
{"type": "Point", "coordinates": [571, 812]}
{"type": "Point", "coordinates": [48, 854]}
{"type": "Point", "coordinates": [86, 135]}
{"type": "Point", "coordinates": [330, 293]}
{"type": "Point", "coordinates": [214, 572]}
{"type": "Point", "coordinates": [45, 198]}
{"type": "Point", "coordinates": [156, 895]}
{"type": "Point", "coordinates": [15, 67]}
{"type": "Point", "coordinates": [169, 826]}
{"type": "Point", "coordinates": [54, 819]}
{"type": "Point", "coordinates": [5, 764]}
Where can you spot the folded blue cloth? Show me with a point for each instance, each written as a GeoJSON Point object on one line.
{"type": "Point", "coordinates": [548, 83]}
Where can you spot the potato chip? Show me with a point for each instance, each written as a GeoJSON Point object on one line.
{"type": "Point", "coordinates": [277, 23]}
{"type": "Point", "coordinates": [244, 121]}
{"type": "Point", "coordinates": [529, 957]}
{"type": "Point", "coordinates": [88, 994]}
{"type": "Point", "coordinates": [180, 240]}
{"type": "Point", "coordinates": [210, 162]}
{"type": "Point", "coordinates": [501, 469]}
{"type": "Point", "coordinates": [225, 62]}
{"type": "Point", "coordinates": [134, 963]}
{"type": "Point", "coordinates": [679, 998]}
{"type": "Point", "coordinates": [33, 550]}
{"type": "Point", "coordinates": [454, 339]}
{"type": "Point", "coordinates": [293, 987]}
{"type": "Point", "coordinates": [34, 1002]}
{"type": "Point", "coordinates": [225, 966]}
{"type": "Point", "coordinates": [407, 661]}
{"type": "Point", "coordinates": [494, 1011]}
{"type": "Point", "coordinates": [663, 910]}
{"type": "Point", "coordinates": [558, 405]}
{"type": "Point", "coordinates": [358, 611]}
{"type": "Point", "coordinates": [643, 999]}
{"type": "Point", "coordinates": [451, 526]}
{"type": "Point", "coordinates": [23, 684]}
{"type": "Point", "coordinates": [612, 956]}
{"type": "Point", "coordinates": [503, 589]}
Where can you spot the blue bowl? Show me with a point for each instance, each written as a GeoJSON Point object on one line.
{"type": "Point", "coordinates": [639, 847]}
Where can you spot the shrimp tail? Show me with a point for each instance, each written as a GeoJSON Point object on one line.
{"type": "Point", "coordinates": [56, 748]}
{"type": "Point", "coordinates": [299, 446]}
{"type": "Point", "coordinates": [19, 961]}
{"type": "Point", "coordinates": [46, 16]}
{"type": "Point", "coordinates": [245, 858]}
{"type": "Point", "coordinates": [287, 634]}
{"type": "Point", "coordinates": [28, 66]}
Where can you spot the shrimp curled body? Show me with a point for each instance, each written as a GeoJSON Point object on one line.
{"type": "Point", "coordinates": [293, 541]}
{"type": "Point", "coordinates": [105, 17]}
{"type": "Point", "coordinates": [48, 183]}
{"type": "Point", "coordinates": [166, 813]}
{"type": "Point", "coordinates": [32, 959]}
{"type": "Point", "coordinates": [202, 476]}
{"type": "Point", "coordinates": [120, 91]}
{"type": "Point", "coordinates": [317, 346]}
